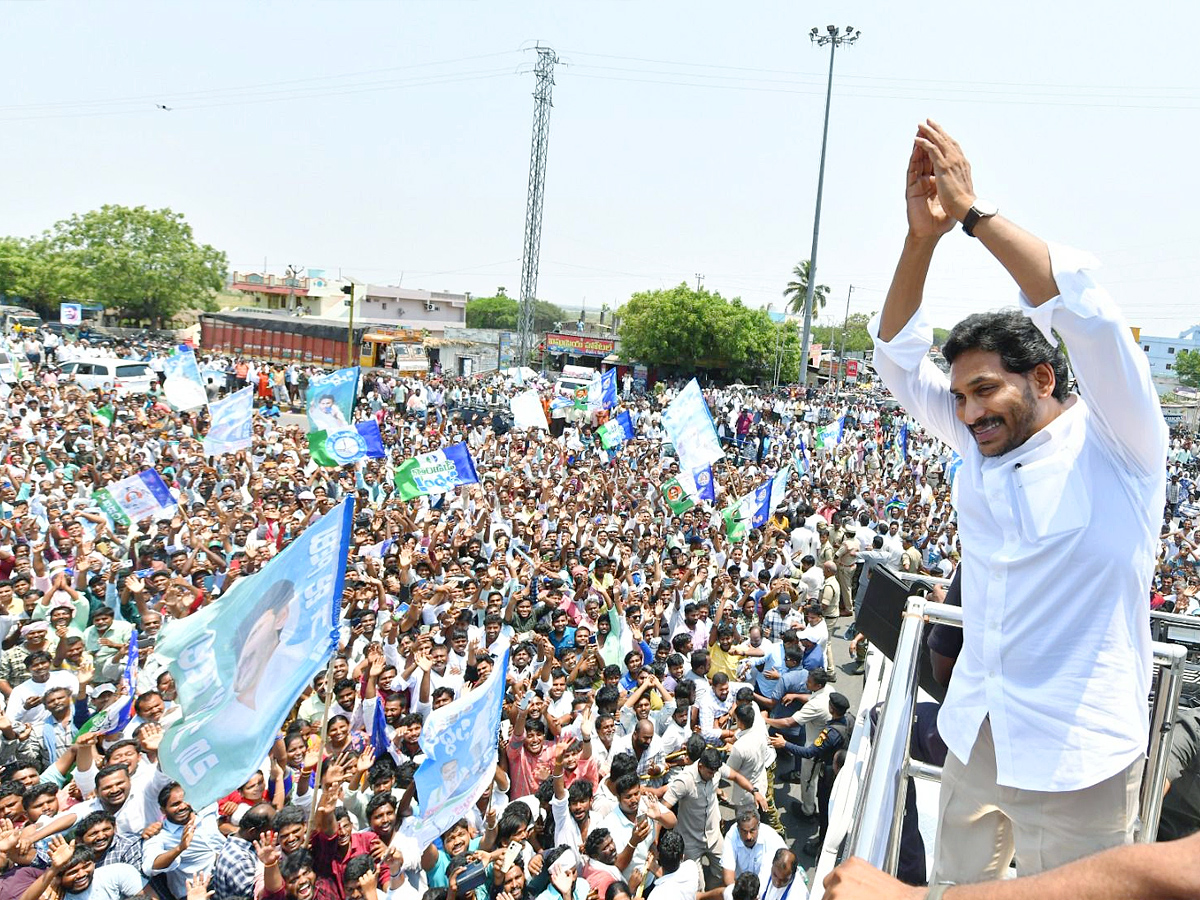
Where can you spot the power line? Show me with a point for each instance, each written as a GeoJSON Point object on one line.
{"type": "Point", "coordinates": [233, 89]}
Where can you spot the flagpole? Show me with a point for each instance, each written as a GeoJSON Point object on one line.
{"type": "Point", "coordinates": [312, 813]}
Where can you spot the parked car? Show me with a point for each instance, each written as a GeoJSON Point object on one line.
{"type": "Point", "coordinates": [125, 376]}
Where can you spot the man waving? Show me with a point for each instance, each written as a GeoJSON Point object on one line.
{"type": "Point", "coordinates": [1059, 496]}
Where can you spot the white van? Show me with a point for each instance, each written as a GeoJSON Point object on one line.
{"type": "Point", "coordinates": [125, 376]}
{"type": "Point", "coordinates": [573, 379]}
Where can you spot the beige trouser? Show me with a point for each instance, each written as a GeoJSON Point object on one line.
{"type": "Point", "coordinates": [980, 825]}
{"type": "Point", "coordinates": [830, 624]}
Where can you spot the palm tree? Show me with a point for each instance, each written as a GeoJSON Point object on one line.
{"type": "Point", "coordinates": [796, 290]}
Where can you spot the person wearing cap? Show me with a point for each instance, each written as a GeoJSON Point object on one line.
{"type": "Point", "coordinates": [833, 737]}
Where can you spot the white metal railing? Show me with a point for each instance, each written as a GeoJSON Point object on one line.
{"type": "Point", "coordinates": [879, 808]}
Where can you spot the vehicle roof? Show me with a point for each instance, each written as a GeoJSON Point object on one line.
{"type": "Point", "coordinates": [97, 358]}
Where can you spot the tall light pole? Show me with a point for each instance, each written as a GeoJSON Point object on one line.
{"type": "Point", "coordinates": [834, 38]}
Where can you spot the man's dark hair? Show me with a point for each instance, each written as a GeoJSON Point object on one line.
{"type": "Point", "coordinates": [594, 840]}
{"type": "Point", "coordinates": [357, 867]}
{"type": "Point", "coordinates": [382, 799]}
{"type": "Point", "coordinates": [289, 815]}
{"type": "Point", "coordinates": [711, 760]}
{"type": "Point", "coordinates": [258, 819]}
{"type": "Point", "coordinates": [43, 789]}
{"type": "Point", "coordinates": [164, 794]}
{"type": "Point", "coordinates": [670, 850]}
{"type": "Point", "coordinates": [626, 783]}
{"type": "Point", "coordinates": [581, 789]}
{"type": "Point", "coordinates": [1012, 335]}
{"type": "Point", "coordinates": [295, 863]}
{"type": "Point", "coordinates": [91, 820]}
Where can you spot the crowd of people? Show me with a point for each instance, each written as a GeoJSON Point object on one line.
{"type": "Point", "coordinates": [664, 682]}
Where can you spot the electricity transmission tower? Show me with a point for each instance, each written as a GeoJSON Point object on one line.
{"type": "Point", "coordinates": [544, 72]}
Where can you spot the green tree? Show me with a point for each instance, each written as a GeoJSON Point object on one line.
{"type": "Point", "coordinates": [501, 311]}
{"type": "Point", "coordinates": [35, 274]}
{"type": "Point", "coordinates": [939, 336]}
{"type": "Point", "coordinates": [144, 263]}
{"type": "Point", "coordinates": [1187, 368]}
{"type": "Point", "coordinates": [690, 329]}
{"type": "Point", "coordinates": [492, 312]}
{"type": "Point", "coordinates": [858, 339]}
{"type": "Point", "coordinates": [797, 290]}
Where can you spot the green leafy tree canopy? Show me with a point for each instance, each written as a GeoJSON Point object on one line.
{"type": "Point", "coordinates": [1187, 368]}
{"type": "Point", "coordinates": [501, 310]}
{"type": "Point", "coordinates": [688, 329]}
{"type": "Point", "coordinates": [146, 263]}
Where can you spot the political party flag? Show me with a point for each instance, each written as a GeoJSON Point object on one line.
{"type": "Point", "coordinates": [118, 714]}
{"type": "Point", "coordinates": [705, 488]}
{"type": "Point", "coordinates": [231, 423]}
{"type": "Point", "coordinates": [616, 431]}
{"type": "Point", "coordinates": [952, 471]}
{"type": "Point", "coordinates": [106, 414]}
{"type": "Point", "coordinates": [329, 401]}
{"type": "Point", "coordinates": [70, 314]}
{"type": "Point", "coordinates": [904, 439]}
{"type": "Point", "coordinates": [527, 411]}
{"type": "Point", "coordinates": [894, 505]}
{"type": "Point", "coordinates": [690, 429]}
{"type": "Point", "coordinates": [602, 392]}
{"type": "Point", "coordinates": [240, 664]}
{"type": "Point", "coordinates": [677, 499]}
{"type": "Point", "coordinates": [436, 472]}
{"type": "Point", "coordinates": [831, 435]}
{"type": "Point", "coordinates": [138, 497]}
{"type": "Point", "coordinates": [182, 385]}
{"type": "Point", "coordinates": [341, 448]}
{"type": "Point", "coordinates": [804, 461]}
{"type": "Point", "coordinates": [379, 738]}
{"type": "Point", "coordinates": [459, 741]}
{"type": "Point", "coordinates": [736, 522]}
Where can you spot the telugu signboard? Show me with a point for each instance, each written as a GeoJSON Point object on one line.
{"type": "Point", "coordinates": [579, 345]}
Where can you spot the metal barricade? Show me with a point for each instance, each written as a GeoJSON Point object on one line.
{"type": "Point", "coordinates": [879, 807]}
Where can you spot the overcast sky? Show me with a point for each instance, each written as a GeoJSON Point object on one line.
{"type": "Point", "coordinates": [392, 139]}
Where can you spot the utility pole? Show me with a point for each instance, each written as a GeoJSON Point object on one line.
{"type": "Point", "coordinates": [348, 290]}
{"type": "Point", "coordinates": [543, 89]}
{"type": "Point", "coordinates": [699, 281]}
{"type": "Point", "coordinates": [842, 353]}
{"type": "Point", "coordinates": [834, 38]}
{"type": "Point", "coordinates": [292, 272]}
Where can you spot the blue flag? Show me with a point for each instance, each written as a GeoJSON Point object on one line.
{"type": "Point", "coordinates": [952, 471]}
{"type": "Point", "coordinates": [904, 439]}
{"type": "Point", "coordinates": [231, 426]}
{"type": "Point", "coordinates": [436, 472]}
{"type": "Point", "coordinates": [602, 392]}
{"type": "Point", "coordinates": [616, 431]}
{"type": "Point", "coordinates": [459, 741]}
{"type": "Point", "coordinates": [330, 400]}
{"type": "Point", "coordinates": [704, 484]}
{"type": "Point", "coordinates": [691, 431]}
{"type": "Point", "coordinates": [379, 738]}
{"type": "Point", "coordinates": [241, 663]}
{"type": "Point", "coordinates": [129, 684]}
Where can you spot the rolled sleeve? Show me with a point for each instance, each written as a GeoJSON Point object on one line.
{"type": "Point", "coordinates": [1112, 371]}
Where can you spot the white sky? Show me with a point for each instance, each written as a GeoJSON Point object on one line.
{"type": "Point", "coordinates": [393, 137]}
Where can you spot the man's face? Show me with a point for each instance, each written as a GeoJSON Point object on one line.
{"type": "Point", "coordinates": [99, 837]}
{"type": "Point", "coordinates": [781, 873]}
{"type": "Point", "coordinates": [114, 789]}
{"type": "Point", "coordinates": [177, 810]}
{"type": "Point", "coordinates": [383, 820]}
{"type": "Point", "coordinates": [40, 670]}
{"type": "Point", "coordinates": [291, 837]}
{"type": "Point", "coordinates": [748, 832]}
{"type": "Point", "coordinates": [43, 805]}
{"type": "Point", "coordinates": [1000, 407]}
{"type": "Point", "coordinates": [78, 878]}
{"type": "Point", "coordinates": [628, 801]}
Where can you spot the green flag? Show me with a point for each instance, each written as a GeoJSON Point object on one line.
{"type": "Point", "coordinates": [107, 413]}
{"type": "Point", "coordinates": [735, 521]}
{"type": "Point", "coordinates": [677, 498]}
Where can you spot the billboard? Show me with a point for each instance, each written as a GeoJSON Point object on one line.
{"type": "Point", "coordinates": [579, 345]}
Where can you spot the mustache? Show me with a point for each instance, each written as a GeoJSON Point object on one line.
{"type": "Point", "coordinates": [985, 424]}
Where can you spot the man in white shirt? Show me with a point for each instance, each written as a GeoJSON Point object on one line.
{"type": "Point", "coordinates": [1046, 760]}
{"type": "Point", "coordinates": [749, 847]}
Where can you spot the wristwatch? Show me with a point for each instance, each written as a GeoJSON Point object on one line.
{"type": "Point", "coordinates": [980, 210]}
